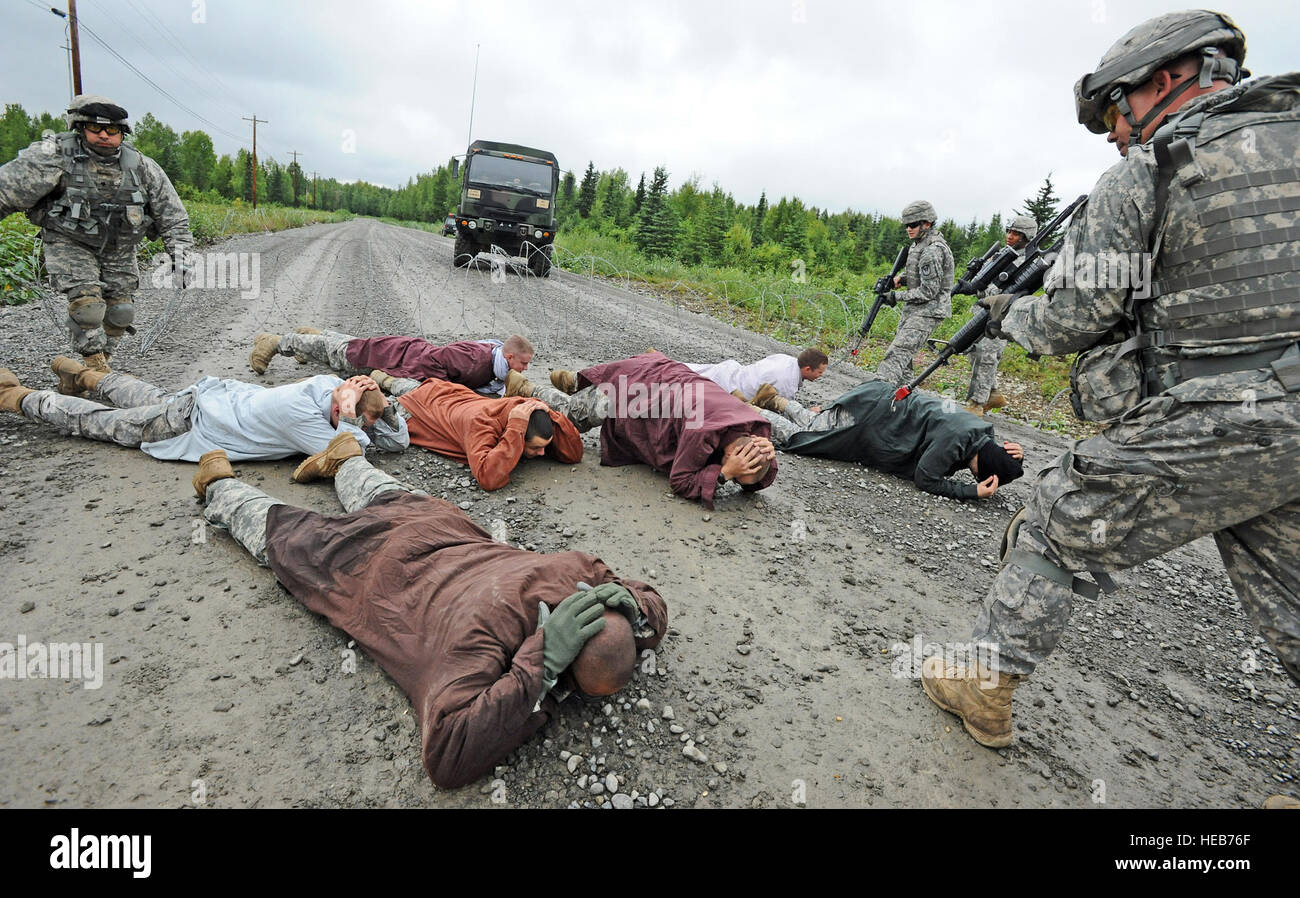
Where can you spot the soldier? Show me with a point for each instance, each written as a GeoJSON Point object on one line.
{"type": "Point", "coordinates": [928, 299]}
{"type": "Point", "coordinates": [986, 354]}
{"type": "Point", "coordinates": [1198, 378]}
{"type": "Point", "coordinates": [95, 197]}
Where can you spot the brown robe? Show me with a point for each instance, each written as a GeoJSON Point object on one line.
{"type": "Point", "coordinates": [454, 421]}
{"type": "Point", "coordinates": [465, 362]}
{"type": "Point", "coordinates": [449, 613]}
{"type": "Point", "coordinates": [686, 446]}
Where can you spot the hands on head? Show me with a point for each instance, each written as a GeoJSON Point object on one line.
{"type": "Point", "coordinates": [747, 459]}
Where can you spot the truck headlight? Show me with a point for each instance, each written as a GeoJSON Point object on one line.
{"type": "Point", "coordinates": [537, 234]}
{"type": "Point", "coordinates": [473, 225]}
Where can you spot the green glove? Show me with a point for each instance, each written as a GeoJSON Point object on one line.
{"type": "Point", "coordinates": [617, 597]}
{"type": "Point", "coordinates": [567, 629]}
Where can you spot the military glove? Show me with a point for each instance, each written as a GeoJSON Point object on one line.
{"type": "Point", "coordinates": [183, 268]}
{"type": "Point", "coordinates": [389, 416]}
{"type": "Point", "coordinates": [617, 597]}
{"type": "Point", "coordinates": [891, 299]}
{"type": "Point", "coordinates": [567, 629]}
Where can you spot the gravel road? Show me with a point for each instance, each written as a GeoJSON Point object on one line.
{"type": "Point", "coordinates": [791, 611]}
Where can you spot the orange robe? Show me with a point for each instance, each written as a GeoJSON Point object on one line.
{"type": "Point", "coordinates": [454, 421]}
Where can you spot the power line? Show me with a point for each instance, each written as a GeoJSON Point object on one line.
{"type": "Point", "coordinates": [122, 59]}
{"type": "Point", "coordinates": [151, 18]}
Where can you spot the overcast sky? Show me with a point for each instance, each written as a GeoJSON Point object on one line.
{"type": "Point", "coordinates": [858, 105]}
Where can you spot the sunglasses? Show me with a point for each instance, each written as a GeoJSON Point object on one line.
{"type": "Point", "coordinates": [913, 224]}
{"type": "Point", "coordinates": [110, 130]}
{"type": "Point", "coordinates": [1110, 117]}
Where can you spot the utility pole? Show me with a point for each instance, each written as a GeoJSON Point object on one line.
{"type": "Point", "coordinates": [295, 154]}
{"type": "Point", "coordinates": [255, 120]}
{"type": "Point", "coordinates": [75, 40]}
{"type": "Point", "coordinates": [314, 175]}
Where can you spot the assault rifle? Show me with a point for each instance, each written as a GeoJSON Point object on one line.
{"type": "Point", "coordinates": [1009, 275]}
{"type": "Point", "coordinates": [884, 291]}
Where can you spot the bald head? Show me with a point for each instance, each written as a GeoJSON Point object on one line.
{"type": "Point", "coordinates": [605, 664]}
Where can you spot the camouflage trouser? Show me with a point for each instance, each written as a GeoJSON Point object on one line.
{"type": "Point", "coordinates": [146, 414]}
{"type": "Point", "coordinates": [1163, 476]}
{"type": "Point", "coordinates": [919, 322]}
{"type": "Point", "coordinates": [984, 358]}
{"type": "Point", "coordinates": [328, 348]}
{"type": "Point", "coordinates": [797, 419]}
{"type": "Point", "coordinates": [242, 509]}
{"type": "Point", "coordinates": [588, 408]}
{"type": "Point", "coordinates": [100, 291]}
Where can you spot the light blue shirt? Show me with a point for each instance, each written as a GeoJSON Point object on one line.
{"type": "Point", "coordinates": [500, 368]}
{"type": "Point", "coordinates": [256, 423]}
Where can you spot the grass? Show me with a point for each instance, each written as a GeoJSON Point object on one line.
{"type": "Point", "coordinates": [21, 270]}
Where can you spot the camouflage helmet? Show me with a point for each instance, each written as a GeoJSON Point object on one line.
{"type": "Point", "coordinates": [1137, 55]}
{"type": "Point", "coordinates": [919, 210]}
{"type": "Point", "coordinates": [1024, 224]}
{"type": "Point", "coordinates": [94, 109]}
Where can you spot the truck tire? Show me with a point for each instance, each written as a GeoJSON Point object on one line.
{"type": "Point", "coordinates": [462, 253]}
{"type": "Point", "coordinates": [539, 263]}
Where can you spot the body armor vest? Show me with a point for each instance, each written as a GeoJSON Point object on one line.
{"type": "Point", "coordinates": [98, 216]}
{"type": "Point", "coordinates": [917, 256]}
{"type": "Point", "coordinates": [1226, 290]}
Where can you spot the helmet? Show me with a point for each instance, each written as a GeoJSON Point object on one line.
{"type": "Point", "coordinates": [1024, 224]}
{"type": "Point", "coordinates": [919, 210]}
{"type": "Point", "coordinates": [1136, 56]}
{"type": "Point", "coordinates": [94, 109]}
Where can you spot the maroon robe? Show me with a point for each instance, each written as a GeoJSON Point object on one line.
{"type": "Point", "coordinates": [448, 612]}
{"type": "Point", "coordinates": [466, 362]}
{"type": "Point", "coordinates": [683, 439]}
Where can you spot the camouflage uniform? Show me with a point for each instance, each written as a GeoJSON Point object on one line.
{"type": "Point", "coordinates": [1199, 383]}
{"type": "Point", "coordinates": [587, 409]}
{"type": "Point", "coordinates": [794, 418]}
{"type": "Point", "coordinates": [986, 354]}
{"type": "Point", "coordinates": [242, 509]}
{"type": "Point", "coordinates": [146, 413]}
{"type": "Point", "coordinates": [93, 210]}
{"type": "Point", "coordinates": [326, 348]}
{"type": "Point", "coordinates": [927, 302]}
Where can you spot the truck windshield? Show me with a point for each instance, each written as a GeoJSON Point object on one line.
{"type": "Point", "coordinates": [512, 174]}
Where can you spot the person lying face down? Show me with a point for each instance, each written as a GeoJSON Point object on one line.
{"type": "Point", "coordinates": [654, 411]}
{"type": "Point", "coordinates": [491, 435]}
{"type": "Point", "coordinates": [786, 373]}
{"type": "Point", "coordinates": [484, 638]}
{"type": "Point", "coordinates": [925, 438]}
{"type": "Point", "coordinates": [481, 365]}
{"type": "Point", "coordinates": [249, 421]}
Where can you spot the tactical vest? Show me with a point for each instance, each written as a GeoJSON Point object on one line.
{"type": "Point", "coordinates": [1226, 290]}
{"type": "Point", "coordinates": [98, 218]}
{"type": "Point", "coordinates": [943, 303]}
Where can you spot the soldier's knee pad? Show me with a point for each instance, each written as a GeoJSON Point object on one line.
{"type": "Point", "coordinates": [119, 315]}
{"type": "Point", "coordinates": [86, 306]}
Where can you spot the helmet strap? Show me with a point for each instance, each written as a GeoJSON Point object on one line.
{"type": "Point", "coordinates": [1213, 67]}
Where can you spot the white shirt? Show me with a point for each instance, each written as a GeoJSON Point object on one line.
{"type": "Point", "coordinates": [500, 368]}
{"type": "Point", "coordinates": [255, 423]}
{"type": "Point", "coordinates": [781, 371]}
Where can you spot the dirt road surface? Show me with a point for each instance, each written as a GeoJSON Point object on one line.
{"type": "Point", "coordinates": [792, 611]}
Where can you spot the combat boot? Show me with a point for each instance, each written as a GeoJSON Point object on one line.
{"type": "Point", "coordinates": [265, 348]}
{"type": "Point", "coordinates": [767, 397]}
{"type": "Point", "coordinates": [11, 392]}
{"type": "Point", "coordinates": [383, 378]}
{"type": "Point", "coordinates": [213, 466]}
{"type": "Point", "coordinates": [975, 409]}
{"type": "Point", "coordinates": [518, 385]}
{"type": "Point", "coordinates": [327, 462]}
{"type": "Point", "coordinates": [97, 362]}
{"type": "Point", "coordinates": [75, 379]}
{"type": "Point", "coordinates": [741, 396]}
{"type": "Point", "coordinates": [305, 330]}
{"type": "Point", "coordinates": [564, 381]}
{"type": "Point", "coordinates": [985, 712]}
{"type": "Point", "coordinates": [1281, 802]}
{"type": "Point", "coordinates": [996, 400]}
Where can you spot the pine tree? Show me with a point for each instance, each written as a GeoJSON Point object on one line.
{"type": "Point", "coordinates": [760, 211]}
{"type": "Point", "coordinates": [639, 200]}
{"type": "Point", "coordinates": [1042, 206]}
{"type": "Point", "coordinates": [656, 233]}
{"type": "Point", "coordinates": [587, 192]}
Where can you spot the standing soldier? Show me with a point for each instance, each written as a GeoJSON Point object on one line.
{"type": "Point", "coordinates": [986, 354]}
{"type": "Point", "coordinates": [94, 198]}
{"type": "Point", "coordinates": [1197, 377]}
{"type": "Point", "coordinates": [928, 300]}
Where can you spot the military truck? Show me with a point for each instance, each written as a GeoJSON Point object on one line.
{"type": "Point", "coordinates": [507, 199]}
